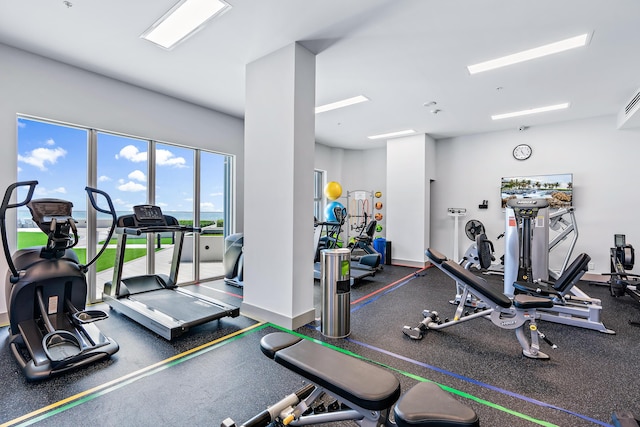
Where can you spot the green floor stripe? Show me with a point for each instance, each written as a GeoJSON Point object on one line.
{"type": "Point", "coordinates": [419, 378]}
{"type": "Point", "coordinates": [135, 378]}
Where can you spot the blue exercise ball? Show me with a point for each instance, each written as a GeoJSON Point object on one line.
{"type": "Point", "coordinates": [329, 211]}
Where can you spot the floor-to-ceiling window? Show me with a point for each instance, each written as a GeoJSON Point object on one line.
{"type": "Point", "coordinates": [64, 159]}
{"type": "Point", "coordinates": [318, 186]}
{"type": "Point", "coordinates": [174, 193]}
{"type": "Point", "coordinates": [56, 156]}
{"type": "Point", "coordinates": [122, 172]}
{"type": "Point", "coordinates": [214, 192]}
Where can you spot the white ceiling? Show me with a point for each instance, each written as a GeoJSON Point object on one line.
{"type": "Point", "coordinates": [399, 53]}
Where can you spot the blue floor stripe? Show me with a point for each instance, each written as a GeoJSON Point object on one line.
{"type": "Point", "coordinates": [478, 383]}
{"type": "Point", "coordinates": [453, 374]}
{"type": "Point", "coordinates": [377, 297]}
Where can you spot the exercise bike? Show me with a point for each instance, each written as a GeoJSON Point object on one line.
{"type": "Point", "coordinates": [363, 254]}
{"type": "Point", "coordinates": [51, 331]}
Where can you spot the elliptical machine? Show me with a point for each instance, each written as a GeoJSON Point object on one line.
{"type": "Point", "coordinates": [50, 330]}
{"type": "Point", "coordinates": [233, 260]}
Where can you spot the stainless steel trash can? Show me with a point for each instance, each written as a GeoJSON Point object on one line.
{"type": "Point", "coordinates": [335, 281]}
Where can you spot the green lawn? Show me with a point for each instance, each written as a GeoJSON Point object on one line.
{"type": "Point", "coordinates": [106, 260]}
{"type": "Point", "coordinates": [27, 239]}
{"type": "Point", "coordinates": [108, 257]}
{"type": "Point", "coordinates": [137, 241]}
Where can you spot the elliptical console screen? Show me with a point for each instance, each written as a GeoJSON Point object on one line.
{"type": "Point", "coordinates": [149, 214]}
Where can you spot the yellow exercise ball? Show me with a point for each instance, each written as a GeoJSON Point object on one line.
{"type": "Point", "coordinates": [333, 190]}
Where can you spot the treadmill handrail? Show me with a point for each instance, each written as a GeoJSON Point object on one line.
{"type": "Point", "coordinates": [137, 231]}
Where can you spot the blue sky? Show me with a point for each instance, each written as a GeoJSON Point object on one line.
{"type": "Point", "coordinates": [56, 156]}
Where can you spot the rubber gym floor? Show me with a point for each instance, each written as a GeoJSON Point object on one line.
{"type": "Point", "coordinates": [217, 370]}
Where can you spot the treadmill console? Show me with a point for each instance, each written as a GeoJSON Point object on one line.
{"type": "Point", "coordinates": [148, 215]}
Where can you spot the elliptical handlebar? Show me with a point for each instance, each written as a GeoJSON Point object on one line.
{"type": "Point", "coordinates": [114, 219]}
{"type": "Point", "coordinates": [3, 220]}
{"type": "Point", "coordinates": [9, 192]}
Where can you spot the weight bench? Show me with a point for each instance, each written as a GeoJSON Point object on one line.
{"type": "Point", "coordinates": [500, 309]}
{"type": "Point", "coordinates": [571, 306]}
{"type": "Point", "coordinates": [366, 392]}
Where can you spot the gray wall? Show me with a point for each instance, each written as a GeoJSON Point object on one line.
{"type": "Point", "coordinates": [40, 87]}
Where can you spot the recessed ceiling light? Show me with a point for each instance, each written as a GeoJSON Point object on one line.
{"type": "Point", "coordinates": [526, 55]}
{"type": "Point", "coordinates": [392, 134]}
{"type": "Point", "coordinates": [530, 111]}
{"type": "Point", "coordinates": [183, 20]}
{"type": "Point", "coordinates": [339, 104]}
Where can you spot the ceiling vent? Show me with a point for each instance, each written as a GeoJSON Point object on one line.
{"type": "Point", "coordinates": [629, 116]}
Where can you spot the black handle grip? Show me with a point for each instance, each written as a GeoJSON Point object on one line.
{"type": "Point", "coordinates": [3, 223]}
{"type": "Point", "coordinates": [91, 191]}
{"type": "Point", "coordinates": [9, 192]}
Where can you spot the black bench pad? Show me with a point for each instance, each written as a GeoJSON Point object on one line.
{"type": "Point", "coordinates": [356, 381]}
{"type": "Point", "coordinates": [435, 256]}
{"type": "Point", "coordinates": [572, 274]}
{"type": "Point", "coordinates": [529, 301]}
{"type": "Point", "coordinates": [427, 405]}
{"type": "Point", "coordinates": [477, 283]}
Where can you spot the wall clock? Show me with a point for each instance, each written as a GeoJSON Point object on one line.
{"type": "Point", "coordinates": [522, 152]}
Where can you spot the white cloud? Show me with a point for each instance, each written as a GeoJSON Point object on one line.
{"type": "Point", "coordinates": [132, 187]}
{"type": "Point", "coordinates": [103, 178]}
{"type": "Point", "coordinates": [123, 204]}
{"type": "Point", "coordinates": [138, 175]}
{"type": "Point", "coordinates": [50, 141]}
{"type": "Point", "coordinates": [207, 206]}
{"type": "Point", "coordinates": [21, 124]}
{"type": "Point", "coordinates": [43, 191]}
{"type": "Point", "coordinates": [39, 157]}
{"type": "Point", "coordinates": [167, 158]}
{"type": "Point", "coordinates": [162, 205]}
{"type": "Point", "coordinates": [131, 153]}
{"type": "Point", "coordinates": [216, 194]}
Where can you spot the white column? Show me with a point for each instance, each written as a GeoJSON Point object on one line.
{"type": "Point", "coordinates": [410, 169]}
{"type": "Point", "coordinates": [278, 187]}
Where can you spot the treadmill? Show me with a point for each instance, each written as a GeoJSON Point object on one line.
{"type": "Point", "coordinates": [326, 236]}
{"type": "Point", "coordinates": [155, 300]}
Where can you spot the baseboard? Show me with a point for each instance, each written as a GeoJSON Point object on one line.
{"type": "Point", "coordinates": [409, 263]}
{"type": "Point", "coordinates": [4, 319]}
{"type": "Point", "coordinates": [595, 277]}
{"type": "Point", "coordinates": [262, 314]}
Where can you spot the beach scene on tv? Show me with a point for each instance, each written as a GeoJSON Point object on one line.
{"type": "Point", "coordinates": [557, 189]}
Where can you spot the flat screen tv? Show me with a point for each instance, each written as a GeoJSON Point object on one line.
{"type": "Point", "coordinates": [557, 189]}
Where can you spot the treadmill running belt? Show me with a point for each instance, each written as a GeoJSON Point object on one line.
{"type": "Point", "coordinates": [177, 305]}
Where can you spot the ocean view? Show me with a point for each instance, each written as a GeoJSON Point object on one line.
{"type": "Point", "coordinates": [25, 221]}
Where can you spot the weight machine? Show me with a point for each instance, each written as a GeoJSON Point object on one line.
{"type": "Point", "coordinates": [526, 263]}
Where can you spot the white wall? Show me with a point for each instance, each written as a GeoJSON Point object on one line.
{"type": "Point", "coordinates": [40, 87]}
{"type": "Point", "coordinates": [279, 154]}
{"type": "Point", "coordinates": [603, 160]}
{"type": "Point", "coordinates": [410, 168]}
